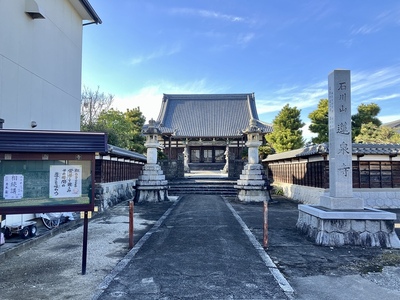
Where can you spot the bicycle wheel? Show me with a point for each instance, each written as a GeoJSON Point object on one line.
{"type": "Point", "coordinates": [51, 223]}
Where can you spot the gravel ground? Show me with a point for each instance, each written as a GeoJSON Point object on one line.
{"type": "Point", "coordinates": [52, 269]}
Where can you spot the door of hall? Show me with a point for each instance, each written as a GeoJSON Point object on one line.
{"type": "Point", "coordinates": [213, 154]}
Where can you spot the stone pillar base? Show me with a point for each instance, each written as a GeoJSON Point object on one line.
{"type": "Point", "coordinates": [364, 227]}
{"type": "Point", "coordinates": [151, 194]}
{"type": "Point", "coordinates": [151, 185]}
{"type": "Point", "coordinates": [251, 185]}
{"type": "Point", "coordinates": [254, 195]}
{"type": "Point", "coordinates": [341, 203]}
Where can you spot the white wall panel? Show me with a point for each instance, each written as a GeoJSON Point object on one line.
{"type": "Point", "coordinates": [40, 66]}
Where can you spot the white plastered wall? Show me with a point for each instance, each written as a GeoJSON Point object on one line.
{"type": "Point", "coordinates": [40, 66]}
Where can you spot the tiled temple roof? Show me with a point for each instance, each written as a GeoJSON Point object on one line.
{"type": "Point", "coordinates": [208, 115]}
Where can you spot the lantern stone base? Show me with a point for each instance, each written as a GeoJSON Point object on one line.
{"type": "Point", "coordinates": [151, 185]}
{"type": "Point", "coordinates": [151, 194]}
{"type": "Point", "coordinates": [252, 195]}
{"type": "Point", "coordinates": [362, 227]}
{"type": "Point", "coordinates": [251, 185]}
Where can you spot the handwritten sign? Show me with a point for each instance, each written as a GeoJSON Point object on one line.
{"type": "Point", "coordinates": [13, 187]}
{"type": "Point", "coordinates": [65, 181]}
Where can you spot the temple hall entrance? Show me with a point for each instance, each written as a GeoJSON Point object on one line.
{"type": "Point", "coordinates": [207, 158]}
{"type": "Point", "coordinates": [207, 155]}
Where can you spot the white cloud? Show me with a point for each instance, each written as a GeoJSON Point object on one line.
{"type": "Point", "coordinates": [384, 19]}
{"type": "Point", "coordinates": [366, 86]}
{"type": "Point", "coordinates": [372, 85]}
{"type": "Point", "coordinates": [207, 14]}
{"type": "Point", "coordinates": [244, 39]}
{"type": "Point", "coordinates": [365, 29]}
{"type": "Point", "coordinates": [295, 96]}
{"type": "Point", "coordinates": [385, 97]}
{"type": "Point", "coordinates": [216, 15]}
{"type": "Point", "coordinates": [307, 134]}
{"type": "Point", "coordinates": [149, 98]}
{"type": "Point", "coordinates": [389, 118]}
{"type": "Point", "coordinates": [162, 52]}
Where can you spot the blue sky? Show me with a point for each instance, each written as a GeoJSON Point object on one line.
{"type": "Point", "coordinates": [281, 50]}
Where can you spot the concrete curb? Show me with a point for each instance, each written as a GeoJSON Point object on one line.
{"type": "Point", "coordinates": [283, 283]}
{"type": "Point", "coordinates": [131, 254]}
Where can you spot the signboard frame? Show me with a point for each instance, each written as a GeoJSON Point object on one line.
{"type": "Point", "coordinates": [37, 190]}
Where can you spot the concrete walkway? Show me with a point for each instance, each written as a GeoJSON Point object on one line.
{"type": "Point", "coordinates": [200, 251]}
{"type": "Point", "coordinates": [194, 248]}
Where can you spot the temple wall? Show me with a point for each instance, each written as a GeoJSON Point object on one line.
{"type": "Point", "coordinates": [111, 193]}
{"type": "Point", "coordinates": [382, 198]}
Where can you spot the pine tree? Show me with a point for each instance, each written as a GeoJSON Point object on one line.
{"type": "Point", "coordinates": [287, 133]}
{"type": "Point", "coordinates": [319, 122]}
{"type": "Point", "coordinates": [366, 114]}
{"type": "Point", "coordinates": [372, 134]}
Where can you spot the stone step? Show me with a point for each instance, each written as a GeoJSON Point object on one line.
{"type": "Point", "coordinates": [206, 166]}
{"type": "Point", "coordinates": [181, 193]}
{"type": "Point", "coordinates": [202, 186]}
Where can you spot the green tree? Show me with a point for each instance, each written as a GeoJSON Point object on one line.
{"type": "Point", "coordinates": [373, 134]}
{"type": "Point", "coordinates": [319, 122]}
{"type": "Point", "coordinates": [123, 129]}
{"type": "Point", "coordinates": [366, 114]}
{"type": "Point", "coordinates": [136, 118]}
{"type": "Point", "coordinates": [93, 103]}
{"type": "Point", "coordinates": [287, 133]}
{"type": "Point", "coordinates": [265, 150]}
{"type": "Point", "coordinates": [117, 127]}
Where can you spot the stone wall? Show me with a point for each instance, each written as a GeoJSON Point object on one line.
{"type": "Point", "coordinates": [235, 167]}
{"type": "Point", "coordinates": [172, 169]}
{"type": "Point", "coordinates": [379, 198]}
{"type": "Point", "coordinates": [352, 231]}
{"type": "Point", "coordinates": [374, 198]}
{"type": "Point", "coordinates": [112, 193]}
{"type": "Point", "coordinates": [300, 193]}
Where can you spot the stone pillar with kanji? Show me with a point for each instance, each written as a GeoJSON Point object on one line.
{"type": "Point", "coordinates": [341, 218]}
{"type": "Point", "coordinates": [340, 144]}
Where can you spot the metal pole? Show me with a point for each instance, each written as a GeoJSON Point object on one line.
{"type": "Point", "coordinates": [85, 242]}
{"type": "Point", "coordinates": [265, 227]}
{"type": "Point", "coordinates": [131, 224]}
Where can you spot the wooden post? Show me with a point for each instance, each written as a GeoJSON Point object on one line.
{"type": "Point", "coordinates": [265, 227]}
{"type": "Point", "coordinates": [131, 224]}
{"type": "Point", "coordinates": [85, 242]}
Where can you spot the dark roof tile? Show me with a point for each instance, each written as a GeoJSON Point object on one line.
{"type": "Point", "coordinates": [208, 115]}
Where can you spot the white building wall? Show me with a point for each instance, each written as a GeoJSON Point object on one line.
{"type": "Point", "coordinates": [40, 66]}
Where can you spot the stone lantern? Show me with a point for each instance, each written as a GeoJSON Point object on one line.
{"type": "Point", "coordinates": [151, 185]}
{"type": "Point", "coordinates": [253, 141]}
{"type": "Point", "coordinates": [251, 185]}
{"type": "Point", "coordinates": [152, 144]}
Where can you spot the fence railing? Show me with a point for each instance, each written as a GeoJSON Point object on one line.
{"type": "Point", "coordinates": [366, 174]}
{"type": "Point", "coordinates": [113, 170]}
